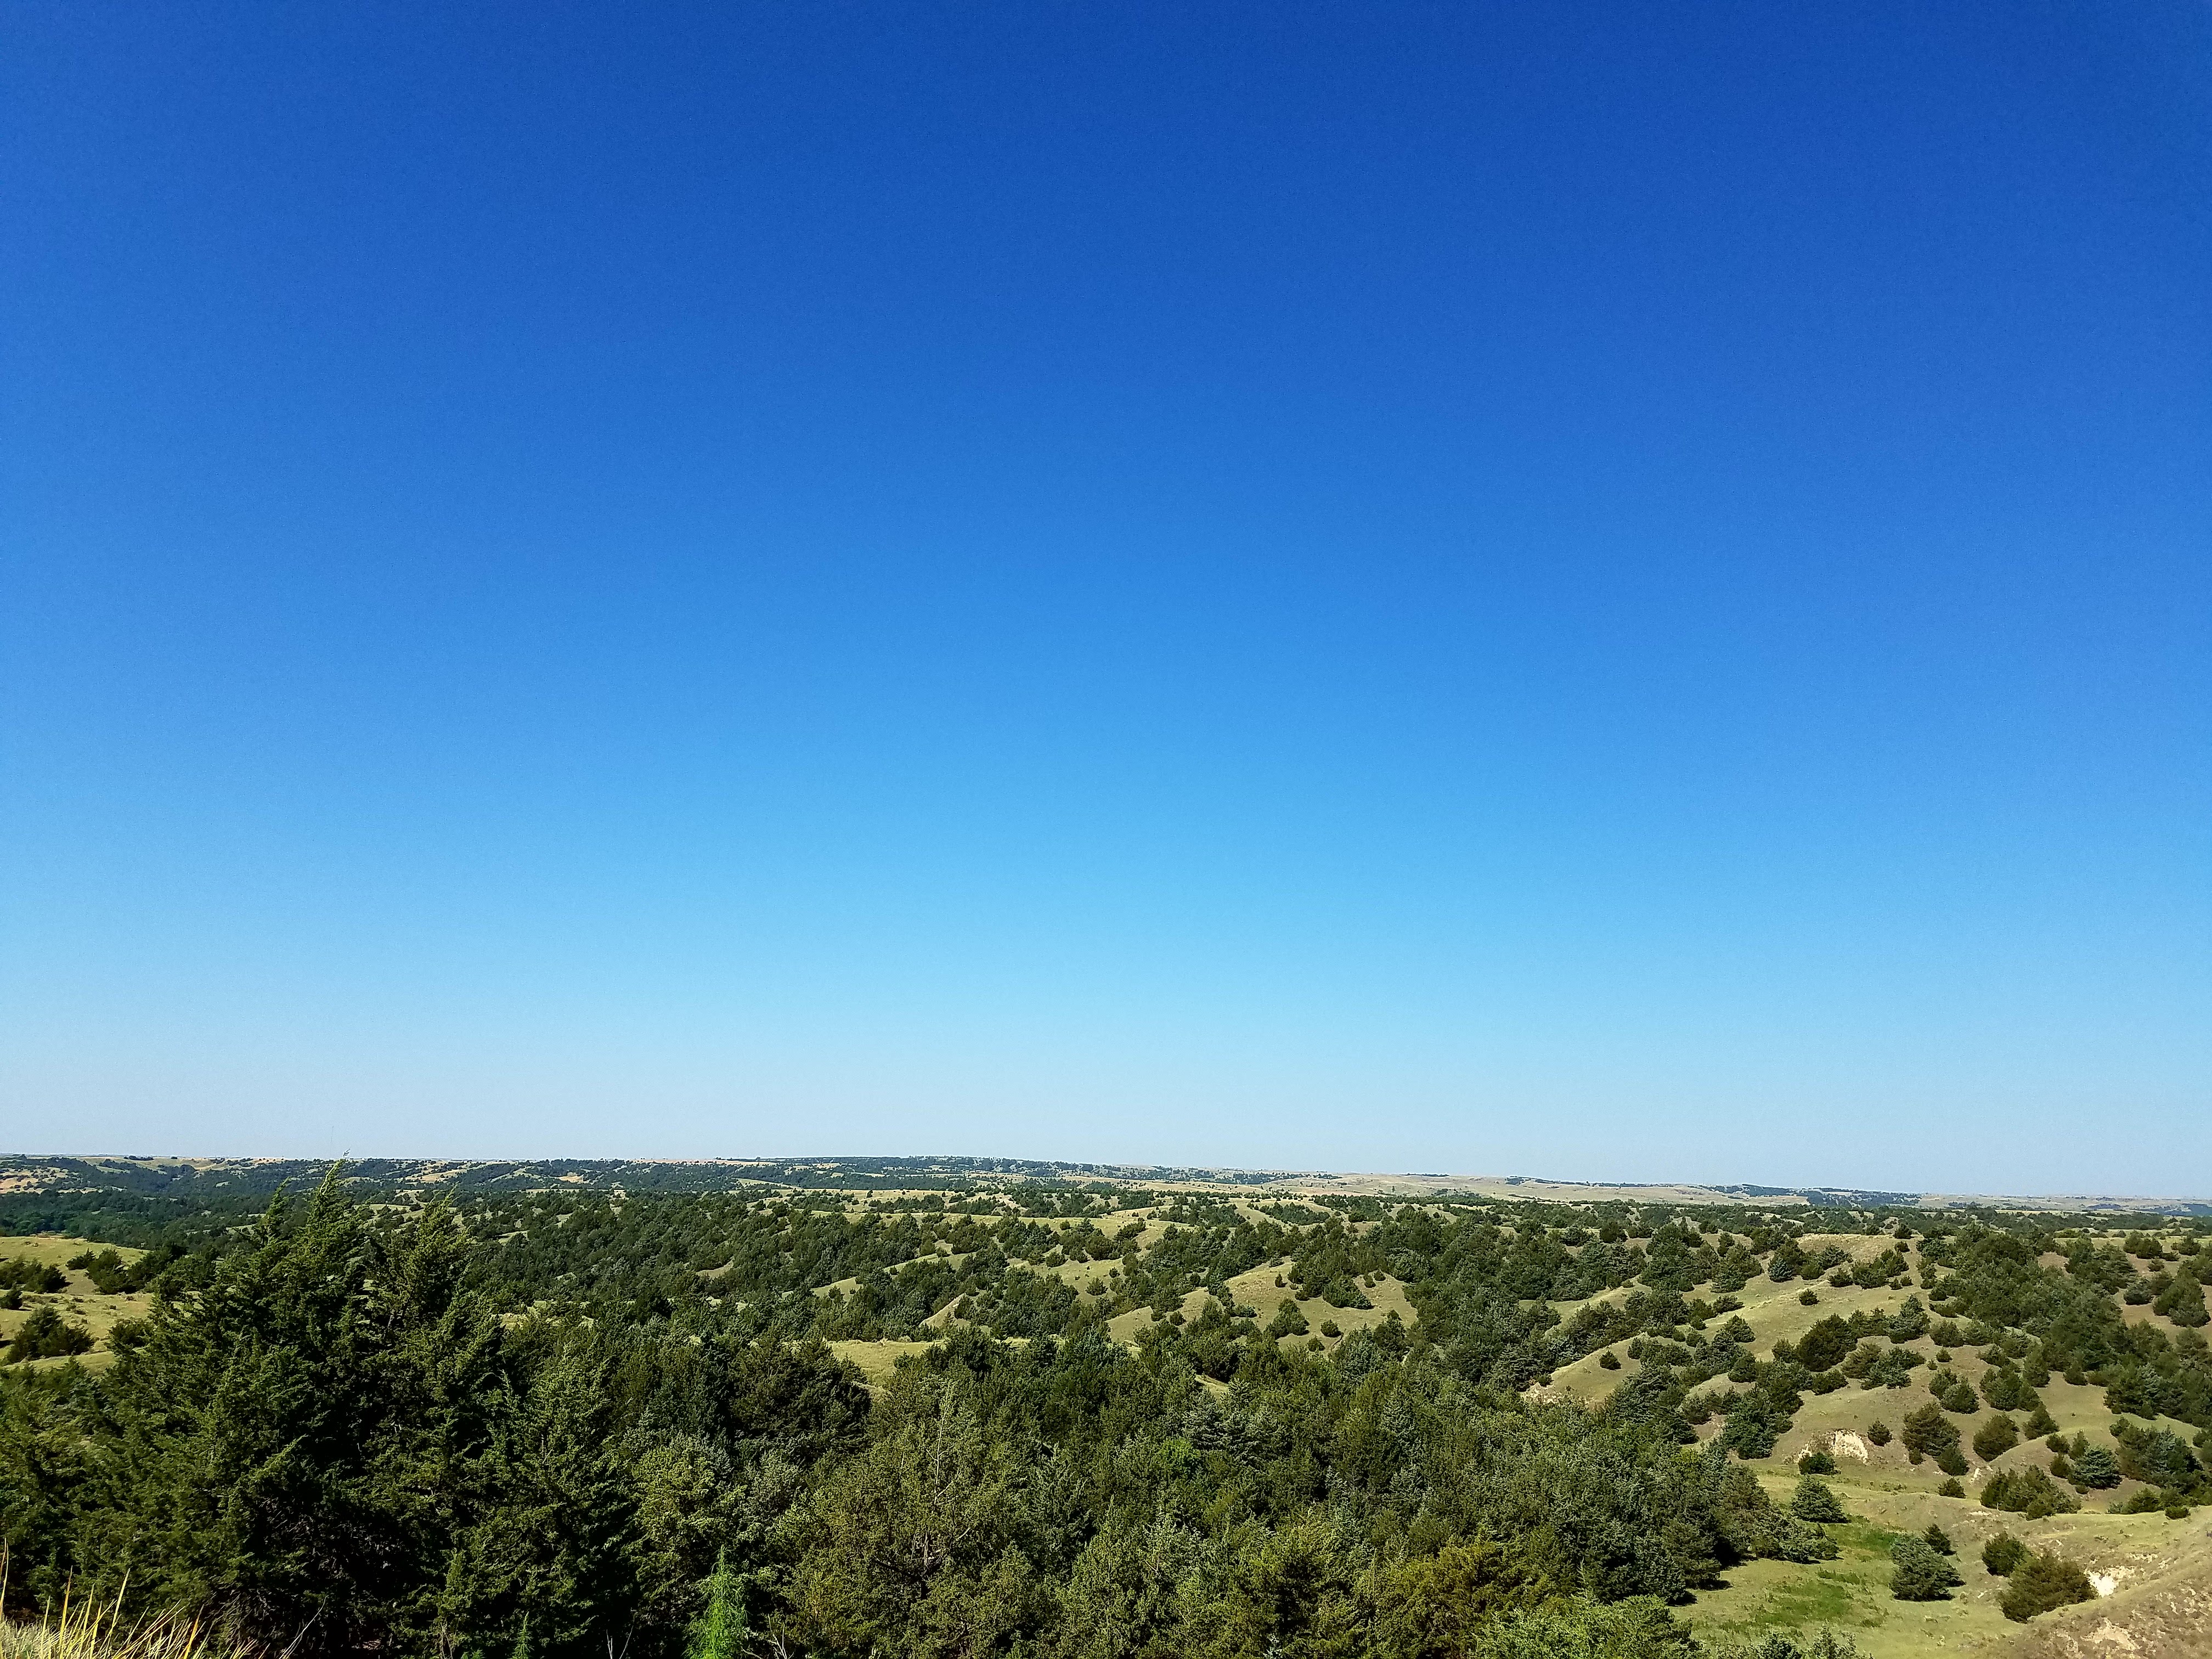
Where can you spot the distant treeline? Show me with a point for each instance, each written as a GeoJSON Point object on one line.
{"type": "Point", "coordinates": [261, 1177]}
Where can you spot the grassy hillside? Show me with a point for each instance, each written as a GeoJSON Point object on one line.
{"type": "Point", "coordinates": [81, 1302]}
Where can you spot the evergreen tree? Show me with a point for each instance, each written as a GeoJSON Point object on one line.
{"type": "Point", "coordinates": [1917, 1573]}
{"type": "Point", "coordinates": [45, 1469]}
{"type": "Point", "coordinates": [721, 1632]}
{"type": "Point", "coordinates": [2095, 1467]}
{"type": "Point", "coordinates": [46, 1335]}
{"type": "Point", "coordinates": [2002, 1553]}
{"type": "Point", "coordinates": [911, 1546]}
{"type": "Point", "coordinates": [1815, 1501]}
{"type": "Point", "coordinates": [1825, 1346]}
{"type": "Point", "coordinates": [2042, 1582]}
{"type": "Point", "coordinates": [1929, 1433]}
{"type": "Point", "coordinates": [2182, 1301]}
{"type": "Point", "coordinates": [1995, 1438]}
{"type": "Point", "coordinates": [244, 1437]}
{"type": "Point", "coordinates": [2028, 1491]}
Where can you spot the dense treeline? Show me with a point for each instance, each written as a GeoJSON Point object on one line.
{"type": "Point", "coordinates": [1482, 1277]}
{"type": "Point", "coordinates": [258, 1178]}
{"type": "Point", "coordinates": [365, 1426]}
{"type": "Point", "coordinates": [557, 1422]}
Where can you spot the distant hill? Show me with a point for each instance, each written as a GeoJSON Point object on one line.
{"type": "Point", "coordinates": [238, 1177]}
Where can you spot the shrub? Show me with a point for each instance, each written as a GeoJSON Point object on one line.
{"type": "Point", "coordinates": [23, 1273]}
{"type": "Point", "coordinates": [46, 1335]}
{"type": "Point", "coordinates": [1929, 1433]}
{"type": "Point", "coordinates": [1810, 1299]}
{"type": "Point", "coordinates": [1821, 1644]}
{"type": "Point", "coordinates": [1937, 1539]}
{"type": "Point", "coordinates": [1577, 1627]}
{"type": "Point", "coordinates": [1756, 1419]}
{"type": "Point", "coordinates": [1878, 1433]}
{"type": "Point", "coordinates": [2002, 1553]}
{"type": "Point", "coordinates": [720, 1631]}
{"type": "Point", "coordinates": [2159, 1457]}
{"type": "Point", "coordinates": [2029, 1492]}
{"type": "Point", "coordinates": [2095, 1467]}
{"type": "Point", "coordinates": [1816, 1462]}
{"type": "Point", "coordinates": [1951, 1489]}
{"type": "Point", "coordinates": [1825, 1346]}
{"type": "Point", "coordinates": [1814, 1501]}
{"type": "Point", "coordinates": [1608, 1361]}
{"type": "Point", "coordinates": [1910, 1320]}
{"type": "Point", "coordinates": [2149, 1501]}
{"type": "Point", "coordinates": [1918, 1574]}
{"type": "Point", "coordinates": [2042, 1582]}
{"type": "Point", "coordinates": [1995, 1438]}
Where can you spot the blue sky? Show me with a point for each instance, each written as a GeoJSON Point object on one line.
{"type": "Point", "coordinates": [1561, 590]}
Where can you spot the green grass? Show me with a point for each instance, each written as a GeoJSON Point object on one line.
{"type": "Point", "coordinates": [81, 1303]}
{"type": "Point", "coordinates": [2164, 1571]}
{"type": "Point", "coordinates": [1829, 1597]}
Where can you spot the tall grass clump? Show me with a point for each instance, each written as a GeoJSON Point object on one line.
{"type": "Point", "coordinates": [86, 1629]}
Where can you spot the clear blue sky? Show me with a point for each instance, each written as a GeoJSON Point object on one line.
{"type": "Point", "coordinates": [1590, 590]}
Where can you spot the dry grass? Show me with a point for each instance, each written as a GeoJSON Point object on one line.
{"type": "Point", "coordinates": [876, 1360]}
{"type": "Point", "coordinates": [1258, 1291]}
{"type": "Point", "coordinates": [86, 1629]}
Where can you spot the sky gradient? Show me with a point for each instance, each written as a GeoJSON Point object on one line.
{"type": "Point", "coordinates": [1550, 590]}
